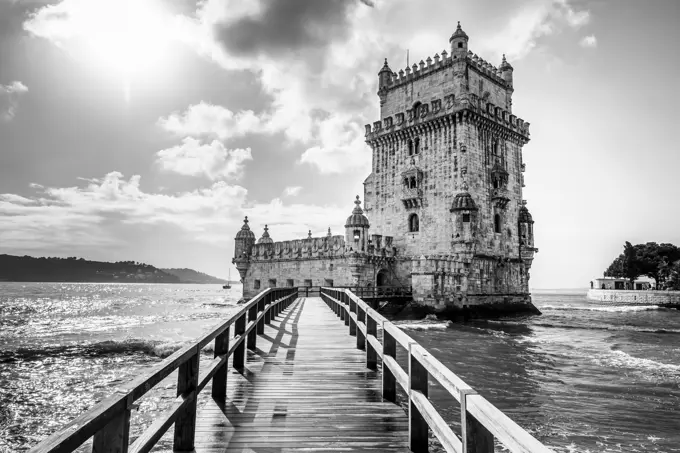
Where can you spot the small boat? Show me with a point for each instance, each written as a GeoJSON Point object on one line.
{"type": "Point", "coordinates": [228, 285]}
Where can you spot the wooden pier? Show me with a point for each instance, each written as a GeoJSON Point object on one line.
{"type": "Point", "coordinates": [293, 374]}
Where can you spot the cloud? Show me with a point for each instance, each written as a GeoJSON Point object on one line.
{"type": "Point", "coordinates": [279, 29]}
{"type": "Point", "coordinates": [9, 99]}
{"type": "Point", "coordinates": [93, 213]}
{"type": "Point", "coordinates": [588, 41]}
{"type": "Point", "coordinates": [532, 22]}
{"type": "Point", "coordinates": [341, 147]}
{"type": "Point", "coordinates": [213, 160]}
{"type": "Point", "coordinates": [292, 191]}
{"type": "Point", "coordinates": [204, 119]}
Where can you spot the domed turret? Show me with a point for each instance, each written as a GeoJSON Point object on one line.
{"type": "Point", "coordinates": [506, 71]}
{"type": "Point", "coordinates": [384, 77]}
{"type": "Point", "coordinates": [245, 233]}
{"type": "Point", "coordinates": [463, 202]}
{"type": "Point", "coordinates": [357, 219]}
{"type": "Point", "coordinates": [265, 239]}
{"type": "Point", "coordinates": [243, 245]}
{"type": "Point", "coordinates": [356, 228]}
{"type": "Point", "coordinates": [459, 43]}
{"type": "Point", "coordinates": [525, 215]}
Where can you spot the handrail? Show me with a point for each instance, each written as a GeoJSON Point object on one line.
{"type": "Point", "coordinates": [109, 420]}
{"type": "Point", "coordinates": [481, 422]}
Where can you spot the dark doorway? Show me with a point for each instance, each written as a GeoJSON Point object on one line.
{"type": "Point", "coordinates": [382, 279]}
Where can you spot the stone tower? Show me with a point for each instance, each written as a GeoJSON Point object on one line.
{"type": "Point", "coordinates": [447, 178]}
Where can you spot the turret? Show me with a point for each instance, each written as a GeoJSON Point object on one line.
{"type": "Point", "coordinates": [384, 76]}
{"type": "Point", "coordinates": [506, 71]}
{"type": "Point", "coordinates": [356, 229]}
{"type": "Point", "coordinates": [243, 245]}
{"type": "Point", "coordinates": [526, 226]}
{"type": "Point", "coordinates": [465, 212]}
{"type": "Point", "coordinates": [459, 43]}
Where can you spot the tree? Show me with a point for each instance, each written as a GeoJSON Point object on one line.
{"type": "Point", "coordinates": [650, 259]}
{"type": "Point", "coordinates": [631, 268]}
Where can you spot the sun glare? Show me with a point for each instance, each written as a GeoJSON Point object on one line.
{"type": "Point", "coordinates": [129, 38]}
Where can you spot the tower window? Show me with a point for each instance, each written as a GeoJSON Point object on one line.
{"type": "Point", "coordinates": [460, 45]}
{"type": "Point", "coordinates": [466, 218]}
{"type": "Point", "coordinates": [413, 183]}
{"type": "Point", "coordinates": [413, 223]}
{"type": "Point", "coordinates": [406, 183]}
{"type": "Point", "coordinates": [256, 284]}
{"type": "Point", "coordinates": [290, 283]}
{"type": "Point", "coordinates": [328, 282]}
{"type": "Point", "coordinates": [416, 146]}
{"type": "Point", "coordinates": [497, 223]}
{"type": "Point", "coordinates": [410, 147]}
{"type": "Point", "coordinates": [272, 283]}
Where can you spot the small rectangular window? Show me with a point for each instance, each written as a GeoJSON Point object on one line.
{"type": "Point", "coordinates": [290, 283]}
{"type": "Point", "coordinates": [256, 284]}
{"type": "Point", "coordinates": [328, 282]}
{"type": "Point", "coordinates": [272, 283]}
{"type": "Point", "coordinates": [466, 218]}
{"type": "Point", "coordinates": [308, 283]}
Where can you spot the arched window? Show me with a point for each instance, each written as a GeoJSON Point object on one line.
{"type": "Point", "coordinates": [410, 147]}
{"type": "Point", "coordinates": [416, 146]}
{"type": "Point", "coordinates": [497, 223]}
{"type": "Point", "coordinates": [413, 224]}
{"type": "Point", "coordinates": [406, 183]}
{"type": "Point", "coordinates": [413, 182]}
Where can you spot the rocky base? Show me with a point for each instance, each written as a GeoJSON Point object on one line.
{"type": "Point", "coordinates": [467, 308]}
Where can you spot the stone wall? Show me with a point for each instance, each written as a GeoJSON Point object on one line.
{"type": "Point", "coordinates": [626, 297]}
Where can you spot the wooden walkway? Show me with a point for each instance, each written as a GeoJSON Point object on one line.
{"type": "Point", "coordinates": [305, 388]}
{"type": "Point", "coordinates": [297, 374]}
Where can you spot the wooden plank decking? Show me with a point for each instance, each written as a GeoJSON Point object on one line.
{"type": "Point", "coordinates": [305, 388]}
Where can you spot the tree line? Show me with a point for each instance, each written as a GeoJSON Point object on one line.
{"type": "Point", "coordinates": [660, 262]}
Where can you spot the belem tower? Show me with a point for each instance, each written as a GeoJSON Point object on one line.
{"type": "Point", "coordinates": [443, 210]}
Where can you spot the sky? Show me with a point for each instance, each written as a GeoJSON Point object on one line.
{"type": "Point", "coordinates": [146, 130]}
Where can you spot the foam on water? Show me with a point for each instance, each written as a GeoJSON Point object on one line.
{"type": "Point", "coordinates": [611, 309]}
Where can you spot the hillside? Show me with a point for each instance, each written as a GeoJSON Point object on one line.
{"type": "Point", "coordinates": [192, 276]}
{"type": "Point", "coordinates": [30, 269]}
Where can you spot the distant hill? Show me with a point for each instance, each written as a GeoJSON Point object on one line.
{"type": "Point", "coordinates": [30, 269]}
{"type": "Point", "coordinates": [192, 276]}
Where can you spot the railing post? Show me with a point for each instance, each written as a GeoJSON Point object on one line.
{"type": "Point", "coordinates": [352, 322]}
{"type": "Point", "coordinates": [345, 305]}
{"type": "Point", "coordinates": [240, 351]}
{"type": "Point", "coordinates": [389, 381]}
{"type": "Point", "coordinates": [260, 308]}
{"type": "Point", "coordinates": [371, 354]}
{"type": "Point", "coordinates": [185, 425]}
{"type": "Point", "coordinates": [252, 335]}
{"type": "Point", "coordinates": [115, 436]}
{"type": "Point", "coordinates": [361, 317]}
{"type": "Point", "coordinates": [268, 310]}
{"type": "Point", "coordinates": [417, 426]}
{"type": "Point", "coordinates": [476, 438]}
{"type": "Point", "coordinates": [219, 381]}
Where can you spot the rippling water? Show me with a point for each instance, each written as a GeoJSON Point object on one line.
{"type": "Point", "coordinates": [581, 378]}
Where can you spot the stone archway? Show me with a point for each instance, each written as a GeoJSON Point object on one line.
{"type": "Point", "coordinates": [383, 278]}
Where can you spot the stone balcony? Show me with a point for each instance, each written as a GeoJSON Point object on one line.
{"type": "Point", "coordinates": [411, 197]}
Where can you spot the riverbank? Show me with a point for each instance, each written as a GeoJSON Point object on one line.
{"type": "Point", "coordinates": [669, 299]}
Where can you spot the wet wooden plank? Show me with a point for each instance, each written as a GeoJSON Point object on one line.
{"type": "Point", "coordinates": [304, 388]}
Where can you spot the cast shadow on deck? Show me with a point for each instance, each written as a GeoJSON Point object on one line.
{"type": "Point", "coordinates": [304, 388]}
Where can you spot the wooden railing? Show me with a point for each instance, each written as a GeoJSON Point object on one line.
{"type": "Point", "coordinates": [109, 421]}
{"type": "Point", "coordinates": [481, 422]}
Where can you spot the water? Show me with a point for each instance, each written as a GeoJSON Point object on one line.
{"type": "Point", "coordinates": [580, 378]}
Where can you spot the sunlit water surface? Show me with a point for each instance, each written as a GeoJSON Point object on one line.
{"type": "Point", "coordinates": [581, 378]}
